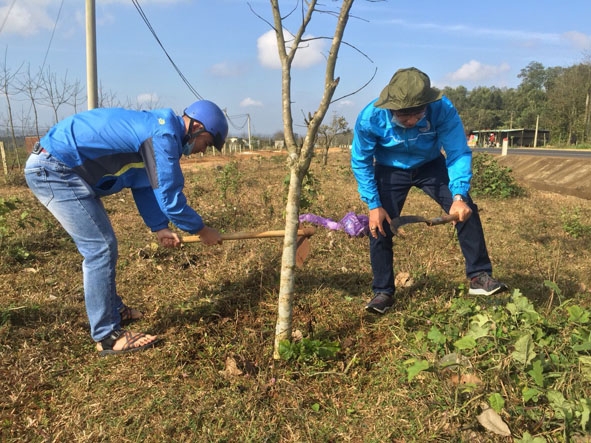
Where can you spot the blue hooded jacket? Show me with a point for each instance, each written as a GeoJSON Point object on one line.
{"type": "Point", "coordinates": [378, 138]}
{"type": "Point", "coordinates": [112, 149]}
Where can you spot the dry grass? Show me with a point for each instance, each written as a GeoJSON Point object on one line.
{"type": "Point", "coordinates": [215, 306]}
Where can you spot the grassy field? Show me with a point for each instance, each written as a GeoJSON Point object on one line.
{"type": "Point", "coordinates": [428, 371]}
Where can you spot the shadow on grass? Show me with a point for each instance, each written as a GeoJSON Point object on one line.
{"type": "Point", "coordinates": [229, 297]}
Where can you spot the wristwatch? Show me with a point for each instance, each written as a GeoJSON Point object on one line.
{"type": "Point", "coordinates": [459, 198]}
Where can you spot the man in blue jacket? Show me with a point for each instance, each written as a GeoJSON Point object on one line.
{"type": "Point", "coordinates": [100, 152]}
{"type": "Point", "coordinates": [397, 144]}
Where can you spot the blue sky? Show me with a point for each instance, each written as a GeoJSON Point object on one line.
{"type": "Point", "coordinates": [226, 51]}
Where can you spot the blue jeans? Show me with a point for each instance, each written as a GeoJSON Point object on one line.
{"type": "Point", "coordinates": [82, 214]}
{"type": "Point", "coordinates": [432, 178]}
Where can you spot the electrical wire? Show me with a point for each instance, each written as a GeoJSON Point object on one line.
{"type": "Point", "coordinates": [59, 12]}
{"type": "Point", "coordinates": [148, 24]}
{"type": "Point", "coordinates": [7, 14]}
{"type": "Point", "coordinates": [191, 88]}
{"type": "Point", "coordinates": [234, 125]}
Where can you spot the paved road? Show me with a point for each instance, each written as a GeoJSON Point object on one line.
{"type": "Point", "coordinates": [564, 153]}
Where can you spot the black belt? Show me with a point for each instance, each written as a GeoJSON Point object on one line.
{"type": "Point", "coordinates": [38, 149]}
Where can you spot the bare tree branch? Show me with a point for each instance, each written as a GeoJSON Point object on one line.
{"type": "Point", "coordinates": [29, 85]}
{"type": "Point", "coordinates": [56, 93]}
{"type": "Point", "coordinates": [356, 91]}
{"type": "Point", "coordinates": [6, 79]}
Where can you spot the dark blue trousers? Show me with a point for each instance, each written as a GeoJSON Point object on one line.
{"type": "Point", "coordinates": [394, 185]}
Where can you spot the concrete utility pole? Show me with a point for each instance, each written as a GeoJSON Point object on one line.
{"type": "Point", "coordinates": [249, 142]}
{"type": "Point", "coordinates": [91, 77]}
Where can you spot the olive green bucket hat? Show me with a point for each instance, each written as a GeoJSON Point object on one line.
{"type": "Point", "coordinates": [408, 88]}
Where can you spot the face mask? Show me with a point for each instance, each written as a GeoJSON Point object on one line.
{"type": "Point", "coordinates": [397, 123]}
{"type": "Point", "coordinates": [188, 148]}
{"type": "Point", "coordinates": [400, 125]}
{"type": "Point", "coordinates": [189, 141]}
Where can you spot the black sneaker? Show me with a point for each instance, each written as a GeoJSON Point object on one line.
{"type": "Point", "coordinates": [380, 303]}
{"type": "Point", "coordinates": [484, 284]}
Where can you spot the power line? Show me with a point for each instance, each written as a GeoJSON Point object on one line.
{"type": "Point", "coordinates": [59, 12]}
{"type": "Point", "coordinates": [145, 18]}
{"type": "Point", "coordinates": [235, 125]}
{"type": "Point", "coordinates": [52, 31]}
{"type": "Point", "coordinates": [7, 14]}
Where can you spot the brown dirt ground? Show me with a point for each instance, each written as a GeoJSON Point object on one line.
{"type": "Point", "coordinates": [197, 161]}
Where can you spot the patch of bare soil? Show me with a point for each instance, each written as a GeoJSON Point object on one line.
{"type": "Point", "coordinates": [220, 159]}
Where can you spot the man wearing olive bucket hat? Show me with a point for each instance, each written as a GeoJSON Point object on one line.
{"type": "Point", "coordinates": [398, 143]}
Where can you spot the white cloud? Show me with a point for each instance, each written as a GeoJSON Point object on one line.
{"type": "Point", "coordinates": [346, 103]}
{"type": "Point", "coordinates": [250, 102]}
{"type": "Point", "coordinates": [474, 71]}
{"type": "Point", "coordinates": [499, 33]}
{"type": "Point", "coordinates": [149, 98]}
{"type": "Point", "coordinates": [226, 69]}
{"type": "Point", "coordinates": [578, 40]}
{"type": "Point", "coordinates": [309, 53]}
{"type": "Point", "coordinates": [26, 17]}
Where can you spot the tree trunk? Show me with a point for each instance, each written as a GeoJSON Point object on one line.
{"type": "Point", "coordinates": [299, 158]}
{"type": "Point", "coordinates": [288, 263]}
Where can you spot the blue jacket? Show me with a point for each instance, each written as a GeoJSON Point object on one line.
{"type": "Point", "coordinates": [113, 149]}
{"type": "Point", "coordinates": [377, 138]}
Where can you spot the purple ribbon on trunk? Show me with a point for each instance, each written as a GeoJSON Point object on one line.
{"type": "Point", "coordinates": [352, 224]}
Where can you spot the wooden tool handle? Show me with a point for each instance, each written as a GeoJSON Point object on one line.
{"type": "Point", "coordinates": [443, 219]}
{"type": "Point", "coordinates": [305, 232]}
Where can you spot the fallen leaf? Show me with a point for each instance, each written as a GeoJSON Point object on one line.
{"type": "Point", "coordinates": [403, 279]}
{"type": "Point", "coordinates": [297, 335]}
{"type": "Point", "coordinates": [231, 368]}
{"type": "Point", "coordinates": [465, 379]}
{"type": "Point", "coordinates": [493, 422]}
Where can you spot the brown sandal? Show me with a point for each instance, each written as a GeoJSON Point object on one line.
{"type": "Point", "coordinates": [129, 315]}
{"type": "Point", "coordinates": [105, 346]}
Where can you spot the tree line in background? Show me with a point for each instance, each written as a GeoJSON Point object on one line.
{"type": "Point", "coordinates": [556, 98]}
{"type": "Point", "coordinates": [559, 97]}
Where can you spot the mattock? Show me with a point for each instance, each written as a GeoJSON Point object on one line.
{"type": "Point", "coordinates": [303, 242]}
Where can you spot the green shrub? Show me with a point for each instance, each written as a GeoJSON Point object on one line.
{"type": "Point", "coordinates": [572, 224]}
{"type": "Point", "coordinates": [6, 206]}
{"type": "Point", "coordinates": [310, 190]}
{"type": "Point", "coordinates": [7, 230]}
{"type": "Point", "coordinates": [229, 180]}
{"type": "Point", "coordinates": [491, 179]}
{"type": "Point", "coordinates": [308, 350]}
